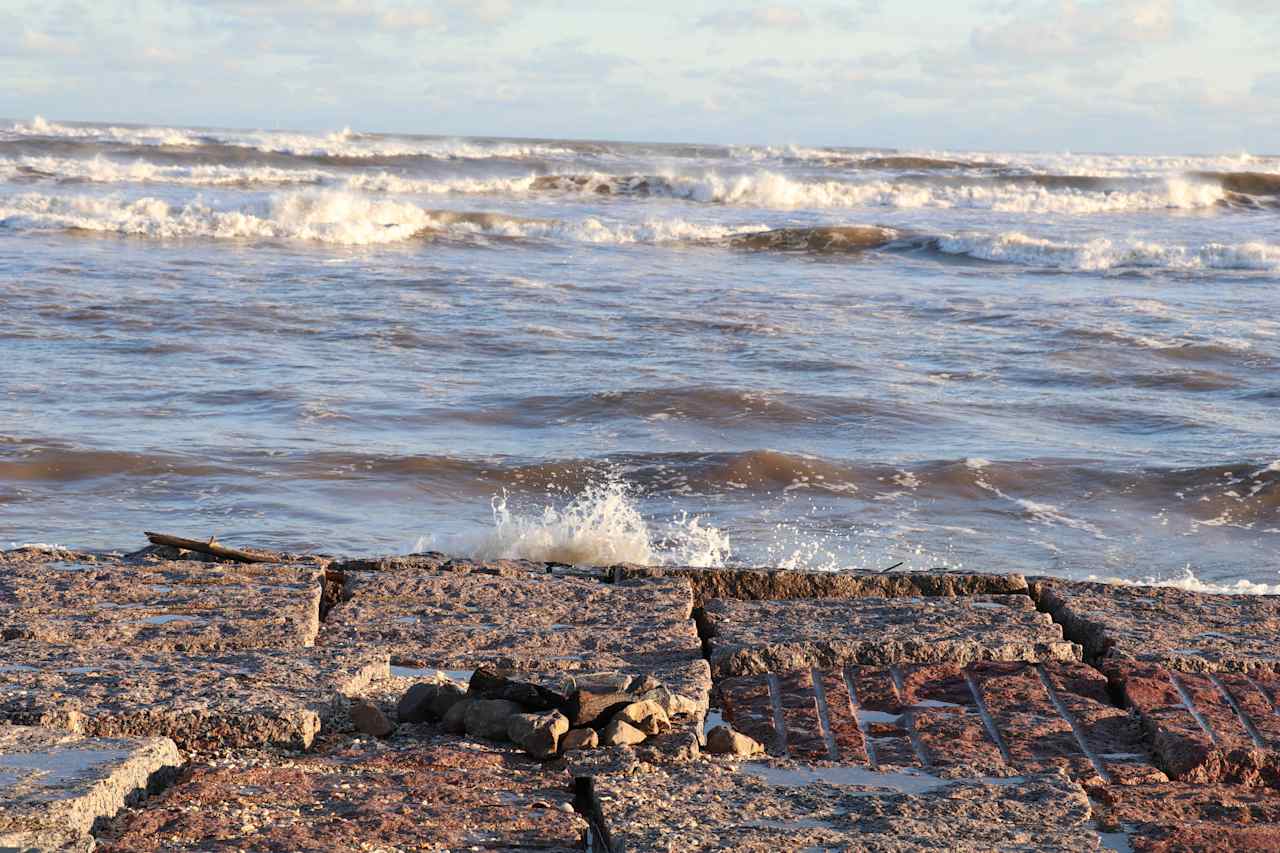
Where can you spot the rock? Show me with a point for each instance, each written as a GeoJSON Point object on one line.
{"type": "Point", "coordinates": [428, 701]}
{"type": "Point", "coordinates": [603, 682]}
{"type": "Point", "coordinates": [446, 696]}
{"type": "Point", "coordinates": [415, 705]}
{"type": "Point", "coordinates": [492, 683]}
{"type": "Point", "coordinates": [620, 733]}
{"type": "Point", "coordinates": [588, 708]}
{"type": "Point", "coordinates": [723, 740]}
{"type": "Point", "coordinates": [487, 718]}
{"type": "Point", "coordinates": [678, 746]}
{"type": "Point", "coordinates": [579, 739]}
{"type": "Point", "coordinates": [368, 718]}
{"type": "Point", "coordinates": [455, 719]}
{"type": "Point", "coordinates": [670, 702]}
{"type": "Point", "coordinates": [648, 717]}
{"type": "Point", "coordinates": [537, 734]}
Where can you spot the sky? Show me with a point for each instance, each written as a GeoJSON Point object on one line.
{"type": "Point", "coordinates": [1161, 76]}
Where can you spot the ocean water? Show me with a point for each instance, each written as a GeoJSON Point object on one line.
{"type": "Point", "coordinates": [595, 351]}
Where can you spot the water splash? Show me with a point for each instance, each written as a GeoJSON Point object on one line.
{"type": "Point", "coordinates": [601, 525]}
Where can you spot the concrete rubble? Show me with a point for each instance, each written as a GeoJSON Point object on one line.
{"type": "Point", "coordinates": [426, 702]}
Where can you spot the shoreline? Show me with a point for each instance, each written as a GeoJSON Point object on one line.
{"type": "Point", "coordinates": [166, 699]}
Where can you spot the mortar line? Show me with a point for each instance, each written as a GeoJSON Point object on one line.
{"type": "Point", "coordinates": [779, 726]}
{"type": "Point", "coordinates": [908, 718]}
{"type": "Point", "coordinates": [1253, 733]}
{"type": "Point", "coordinates": [1187, 703]}
{"type": "Point", "coordinates": [987, 720]}
{"type": "Point", "coordinates": [1075, 725]}
{"type": "Point", "coordinates": [855, 707]}
{"type": "Point", "coordinates": [824, 714]}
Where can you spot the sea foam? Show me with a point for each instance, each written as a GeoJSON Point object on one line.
{"type": "Point", "coordinates": [601, 525]}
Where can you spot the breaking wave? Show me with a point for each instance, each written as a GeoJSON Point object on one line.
{"type": "Point", "coordinates": [601, 525]}
{"type": "Point", "coordinates": [328, 217]}
{"type": "Point", "coordinates": [1026, 194]}
{"type": "Point", "coordinates": [344, 144]}
{"type": "Point", "coordinates": [1102, 254]}
{"type": "Point", "coordinates": [1191, 583]}
{"type": "Point", "coordinates": [763, 189]}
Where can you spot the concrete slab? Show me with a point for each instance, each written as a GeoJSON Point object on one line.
{"type": "Point", "coordinates": [1186, 631]}
{"type": "Point", "coordinates": [781, 584]}
{"type": "Point", "coordinates": [527, 623]}
{"type": "Point", "coordinates": [1190, 818]}
{"type": "Point", "coordinates": [202, 702]}
{"type": "Point", "coordinates": [985, 719]}
{"type": "Point", "coordinates": [440, 795]}
{"type": "Point", "coordinates": [55, 787]}
{"type": "Point", "coordinates": [781, 636]}
{"type": "Point", "coordinates": [175, 606]}
{"type": "Point", "coordinates": [761, 807]}
{"type": "Point", "coordinates": [1206, 728]}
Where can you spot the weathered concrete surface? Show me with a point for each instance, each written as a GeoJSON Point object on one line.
{"type": "Point", "coordinates": [201, 702]}
{"type": "Point", "coordinates": [54, 786]}
{"type": "Point", "coordinates": [1206, 728]}
{"type": "Point", "coordinates": [438, 795]}
{"type": "Point", "coordinates": [782, 636]}
{"type": "Point", "coordinates": [760, 808]}
{"type": "Point", "coordinates": [1187, 631]}
{"type": "Point", "coordinates": [987, 719]}
{"type": "Point", "coordinates": [526, 623]}
{"type": "Point", "coordinates": [779, 584]}
{"type": "Point", "coordinates": [1191, 818]}
{"type": "Point", "coordinates": [175, 606]}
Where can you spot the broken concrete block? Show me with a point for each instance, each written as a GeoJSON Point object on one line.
{"type": "Point", "coordinates": [202, 702]}
{"type": "Point", "coordinates": [54, 787]}
{"type": "Point", "coordinates": [1174, 628]}
{"type": "Point", "coordinates": [782, 584]}
{"type": "Point", "coordinates": [434, 795]}
{"type": "Point", "coordinates": [758, 807]}
{"type": "Point", "coordinates": [173, 606]}
{"type": "Point", "coordinates": [770, 636]}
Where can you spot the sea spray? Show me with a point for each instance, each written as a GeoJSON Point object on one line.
{"type": "Point", "coordinates": [601, 525]}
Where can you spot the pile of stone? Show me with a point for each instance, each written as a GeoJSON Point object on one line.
{"type": "Point", "coordinates": [545, 721]}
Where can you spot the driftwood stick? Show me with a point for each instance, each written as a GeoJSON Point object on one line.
{"type": "Point", "coordinates": [211, 547]}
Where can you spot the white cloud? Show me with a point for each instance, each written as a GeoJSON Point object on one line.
{"type": "Point", "coordinates": [1067, 31]}
{"type": "Point", "coordinates": [787, 18]}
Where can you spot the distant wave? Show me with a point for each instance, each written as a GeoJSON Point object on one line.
{"type": "Point", "coordinates": [345, 144]}
{"type": "Point", "coordinates": [1014, 193]}
{"type": "Point", "coordinates": [1100, 255]}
